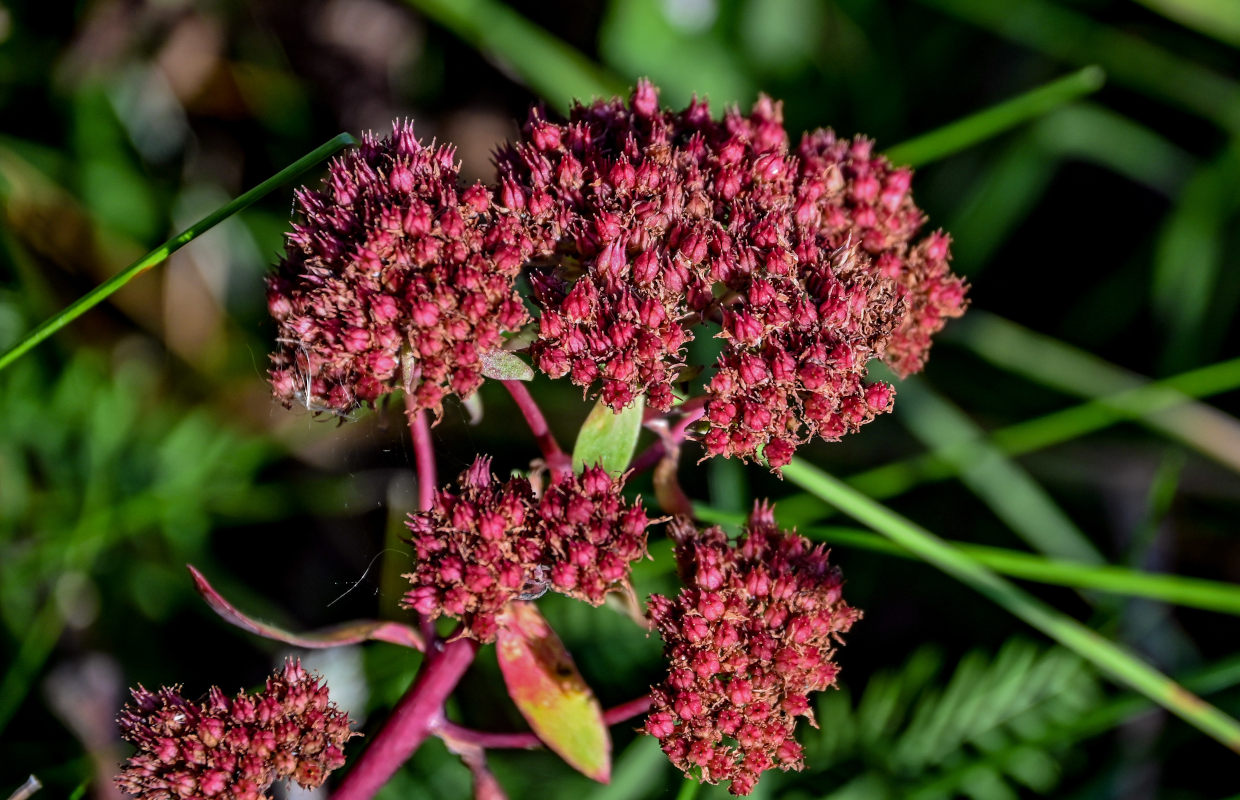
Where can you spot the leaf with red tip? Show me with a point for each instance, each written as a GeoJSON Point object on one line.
{"type": "Point", "coordinates": [335, 636]}
{"type": "Point", "coordinates": [546, 686]}
{"type": "Point", "coordinates": [505, 366]}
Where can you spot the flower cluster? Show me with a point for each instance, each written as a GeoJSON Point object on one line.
{"type": "Point", "coordinates": [232, 749]}
{"type": "Point", "coordinates": [747, 640]}
{"type": "Point", "coordinates": [490, 543]}
{"type": "Point", "coordinates": [394, 278]}
{"type": "Point", "coordinates": [650, 222]}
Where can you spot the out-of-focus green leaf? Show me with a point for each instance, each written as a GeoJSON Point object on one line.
{"type": "Point", "coordinates": [609, 438]}
{"type": "Point", "coordinates": [989, 122]}
{"type": "Point", "coordinates": [1128, 60]}
{"type": "Point", "coordinates": [1061, 366]}
{"type": "Point", "coordinates": [638, 38]}
{"type": "Point", "coordinates": [550, 67]}
{"type": "Point", "coordinates": [1188, 256]}
{"type": "Point", "coordinates": [1217, 18]}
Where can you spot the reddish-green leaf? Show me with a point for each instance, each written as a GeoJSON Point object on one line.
{"type": "Point", "coordinates": [546, 686]}
{"type": "Point", "coordinates": [346, 633]}
{"type": "Point", "coordinates": [609, 438]}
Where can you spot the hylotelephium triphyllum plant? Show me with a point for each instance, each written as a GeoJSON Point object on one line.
{"type": "Point", "coordinates": [636, 230]}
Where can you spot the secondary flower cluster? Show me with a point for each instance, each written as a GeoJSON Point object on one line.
{"type": "Point", "coordinates": [393, 278]}
{"type": "Point", "coordinates": [232, 749]}
{"type": "Point", "coordinates": [747, 640]}
{"type": "Point", "coordinates": [664, 220]}
{"type": "Point", "coordinates": [490, 543]}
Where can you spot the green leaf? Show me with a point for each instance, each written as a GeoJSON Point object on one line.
{"type": "Point", "coordinates": [609, 438]}
{"type": "Point", "coordinates": [505, 366]}
{"type": "Point", "coordinates": [551, 694]}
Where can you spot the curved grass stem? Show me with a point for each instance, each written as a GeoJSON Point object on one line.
{"type": "Point", "coordinates": [161, 253]}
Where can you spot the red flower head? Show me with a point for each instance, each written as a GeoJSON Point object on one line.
{"type": "Point", "coordinates": [652, 222]}
{"type": "Point", "coordinates": [747, 640]}
{"type": "Point", "coordinates": [393, 278]}
{"type": "Point", "coordinates": [232, 749]}
{"type": "Point", "coordinates": [491, 543]}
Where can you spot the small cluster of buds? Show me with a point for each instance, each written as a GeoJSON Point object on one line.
{"type": "Point", "coordinates": [650, 222]}
{"type": "Point", "coordinates": [490, 543]}
{"type": "Point", "coordinates": [232, 749]}
{"type": "Point", "coordinates": [394, 278]}
{"type": "Point", "coordinates": [747, 640]}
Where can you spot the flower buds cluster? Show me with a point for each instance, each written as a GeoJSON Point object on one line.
{"type": "Point", "coordinates": [232, 749]}
{"type": "Point", "coordinates": [490, 543]}
{"type": "Point", "coordinates": [652, 222]}
{"type": "Point", "coordinates": [394, 277]}
{"type": "Point", "coordinates": [747, 640]}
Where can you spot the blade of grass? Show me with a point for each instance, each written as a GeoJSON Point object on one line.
{"type": "Point", "coordinates": [1053, 363]}
{"type": "Point", "coordinates": [1143, 402]}
{"type": "Point", "coordinates": [990, 122]}
{"type": "Point", "coordinates": [1016, 180]}
{"type": "Point", "coordinates": [1005, 488]}
{"type": "Point", "coordinates": [1176, 589]}
{"type": "Point", "coordinates": [1216, 18]}
{"type": "Point", "coordinates": [1128, 60]}
{"type": "Point", "coordinates": [1114, 660]}
{"type": "Point", "coordinates": [549, 66]}
{"type": "Point", "coordinates": [1188, 256]}
{"type": "Point", "coordinates": [161, 253]}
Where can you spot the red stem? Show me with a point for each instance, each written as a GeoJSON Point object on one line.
{"type": "Point", "coordinates": [692, 410]}
{"type": "Point", "coordinates": [418, 713]}
{"type": "Point", "coordinates": [423, 453]}
{"type": "Point", "coordinates": [525, 740]}
{"type": "Point", "coordinates": [556, 458]}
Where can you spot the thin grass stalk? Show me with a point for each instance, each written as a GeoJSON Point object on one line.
{"type": "Point", "coordinates": [1112, 659]}
{"type": "Point", "coordinates": [160, 254]}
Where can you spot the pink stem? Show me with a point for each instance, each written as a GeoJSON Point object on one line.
{"type": "Point", "coordinates": [556, 458]}
{"type": "Point", "coordinates": [692, 410]}
{"type": "Point", "coordinates": [525, 740]}
{"type": "Point", "coordinates": [423, 453]}
{"type": "Point", "coordinates": [418, 713]}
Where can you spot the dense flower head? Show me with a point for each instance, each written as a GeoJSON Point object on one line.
{"type": "Point", "coordinates": [394, 278]}
{"type": "Point", "coordinates": [489, 543]}
{"type": "Point", "coordinates": [648, 223]}
{"type": "Point", "coordinates": [232, 749]}
{"type": "Point", "coordinates": [747, 640]}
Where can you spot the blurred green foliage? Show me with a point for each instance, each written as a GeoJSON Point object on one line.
{"type": "Point", "coordinates": [1086, 408]}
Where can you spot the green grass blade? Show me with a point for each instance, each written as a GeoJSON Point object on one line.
{"type": "Point", "coordinates": [1128, 60]}
{"type": "Point", "coordinates": [549, 66]}
{"type": "Point", "coordinates": [1152, 400]}
{"type": "Point", "coordinates": [1217, 18]}
{"type": "Point", "coordinates": [161, 253]}
{"type": "Point", "coordinates": [1175, 589]}
{"type": "Point", "coordinates": [990, 122]}
{"type": "Point", "coordinates": [1015, 181]}
{"type": "Point", "coordinates": [1009, 491]}
{"type": "Point", "coordinates": [1188, 256]}
{"type": "Point", "coordinates": [1061, 366]}
{"type": "Point", "coordinates": [1112, 659]}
